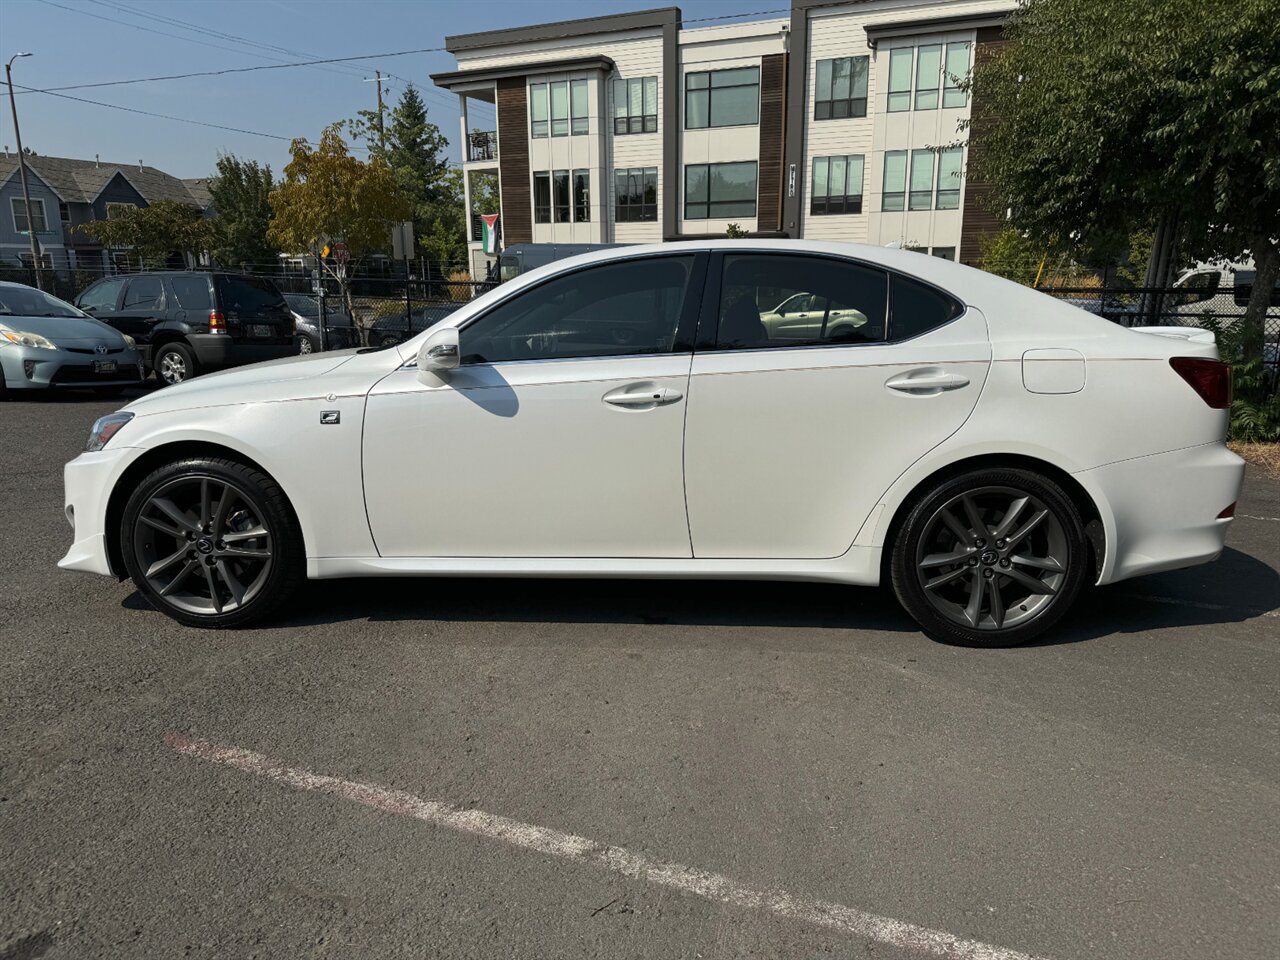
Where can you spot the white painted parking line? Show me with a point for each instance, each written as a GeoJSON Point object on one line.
{"type": "Point", "coordinates": [1249, 516]}
{"type": "Point", "coordinates": [1201, 605]}
{"type": "Point", "coordinates": [566, 846]}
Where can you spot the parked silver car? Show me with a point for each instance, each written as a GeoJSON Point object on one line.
{"type": "Point", "coordinates": [46, 342]}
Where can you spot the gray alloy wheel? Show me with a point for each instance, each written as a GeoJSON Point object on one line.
{"type": "Point", "coordinates": [174, 364]}
{"type": "Point", "coordinates": [203, 544]}
{"type": "Point", "coordinates": [305, 346]}
{"type": "Point", "coordinates": [992, 558]}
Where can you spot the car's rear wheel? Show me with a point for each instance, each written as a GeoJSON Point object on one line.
{"type": "Point", "coordinates": [306, 345]}
{"type": "Point", "coordinates": [174, 364]}
{"type": "Point", "coordinates": [992, 558]}
{"type": "Point", "coordinates": [212, 542]}
{"type": "Point", "coordinates": [389, 339]}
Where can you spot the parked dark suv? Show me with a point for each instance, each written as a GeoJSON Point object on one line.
{"type": "Point", "coordinates": [187, 322]}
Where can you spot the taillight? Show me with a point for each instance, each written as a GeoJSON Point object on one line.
{"type": "Point", "coordinates": [217, 322]}
{"type": "Point", "coordinates": [1211, 379]}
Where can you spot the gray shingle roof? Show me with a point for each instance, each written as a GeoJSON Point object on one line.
{"type": "Point", "coordinates": [80, 181]}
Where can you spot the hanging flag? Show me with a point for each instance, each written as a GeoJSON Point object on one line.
{"type": "Point", "coordinates": [491, 232]}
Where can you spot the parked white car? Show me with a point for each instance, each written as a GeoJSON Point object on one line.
{"type": "Point", "coordinates": [627, 413]}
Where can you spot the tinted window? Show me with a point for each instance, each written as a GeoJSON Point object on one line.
{"type": "Point", "coordinates": [248, 295]}
{"type": "Point", "coordinates": [917, 308]}
{"type": "Point", "coordinates": [617, 309]}
{"type": "Point", "coordinates": [102, 296]}
{"type": "Point", "coordinates": [144, 293]}
{"type": "Point", "coordinates": [303, 306]}
{"type": "Point", "coordinates": [790, 301]}
{"type": "Point", "coordinates": [192, 293]}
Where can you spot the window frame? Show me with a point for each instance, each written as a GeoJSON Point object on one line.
{"type": "Point", "coordinates": [912, 193]}
{"type": "Point", "coordinates": [541, 177]}
{"type": "Point", "coordinates": [710, 86]}
{"type": "Point", "coordinates": [952, 90]}
{"type": "Point", "coordinates": [561, 198]}
{"type": "Point", "coordinates": [933, 91]}
{"type": "Point", "coordinates": [847, 208]}
{"type": "Point", "coordinates": [709, 203]}
{"type": "Point", "coordinates": [624, 121]}
{"type": "Point", "coordinates": [709, 316]}
{"type": "Point", "coordinates": [538, 96]}
{"type": "Point", "coordinates": [890, 90]}
{"type": "Point", "coordinates": [885, 193]}
{"type": "Point", "coordinates": [856, 105]}
{"type": "Point", "coordinates": [44, 214]}
{"type": "Point", "coordinates": [945, 155]}
{"type": "Point", "coordinates": [576, 86]}
{"type": "Point", "coordinates": [686, 327]}
{"type": "Point", "coordinates": [580, 194]}
{"type": "Point", "coordinates": [643, 175]}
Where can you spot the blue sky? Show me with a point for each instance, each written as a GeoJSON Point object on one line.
{"type": "Point", "coordinates": [90, 41]}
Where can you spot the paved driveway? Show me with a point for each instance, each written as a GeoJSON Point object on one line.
{"type": "Point", "coordinates": [547, 769]}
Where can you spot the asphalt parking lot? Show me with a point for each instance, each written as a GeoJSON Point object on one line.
{"type": "Point", "coordinates": [547, 769]}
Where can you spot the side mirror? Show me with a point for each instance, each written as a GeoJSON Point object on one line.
{"type": "Point", "coordinates": [439, 351]}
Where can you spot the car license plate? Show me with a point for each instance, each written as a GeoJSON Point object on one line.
{"type": "Point", "coordinates": [261, 330]}
{"type": "Point", "coordinates": [104, 366]}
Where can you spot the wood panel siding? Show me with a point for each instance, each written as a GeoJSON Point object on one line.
{"type": "Point", "coordinates": [773, 101]}
{"type": "Point", "coordinates": [513, 161]}
{"type": "Point", "coordinates": [980, 221]}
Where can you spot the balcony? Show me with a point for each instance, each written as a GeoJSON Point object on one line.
{"type": "Point", "coordinates": [482, 146]}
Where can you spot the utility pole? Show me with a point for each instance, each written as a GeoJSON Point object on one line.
{"type": "Point", "coordinates": [22, 167]}
{"type": "Point", "coordinates": [382, 138]}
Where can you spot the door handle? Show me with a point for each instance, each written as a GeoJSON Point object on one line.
{"type": "Point", "coordinates": [926, 382]}
{"type": "Point", "coordinates": [642, 396]}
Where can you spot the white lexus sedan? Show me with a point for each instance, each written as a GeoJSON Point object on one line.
{"type": "Point", "coordinates": [981, 446]}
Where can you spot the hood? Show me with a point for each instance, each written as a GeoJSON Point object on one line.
{"type": "Point", "coordinates": [271, 380]}
{"type": "Point", "coordinates": [63, 329]}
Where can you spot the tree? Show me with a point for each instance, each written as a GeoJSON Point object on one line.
{"type": "Point", "coordinates": [155, 232]}
{"type": "Point", "coordinates": [240, 195]}
{"type": "Point", "coordinates": [1099, 119]}
{"type": "Point", "coordinates": [329, 196]}
{"type": "Point", "coordinates": [442, 232]}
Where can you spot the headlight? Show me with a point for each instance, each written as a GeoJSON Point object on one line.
{"type": "Point", "coordinates": [27, 339]}
{"type": "Point", "coordinates": [129, 341]}
{"type": "Point", "coordinates": [104, 428]}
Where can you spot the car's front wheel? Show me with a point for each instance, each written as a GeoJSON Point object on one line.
{"type": "Point", "coordinates": [212, 542]}
{"type": "Point", "coordinates": [991, 558]}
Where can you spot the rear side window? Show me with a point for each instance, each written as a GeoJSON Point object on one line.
{"type": "Point", "coordinates": [144, 293]}
{"type": "Point", "coordinates": [248, 295]}
{"type": "Point", "coordinates": [917, 308]}
{"type": "Point", "coordinates": [192, 293]}
{"type": "Point", "coordinates": [770, 300]}
{"type": "Point", "coordinates": [102, 297]}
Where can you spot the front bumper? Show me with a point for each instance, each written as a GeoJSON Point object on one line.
{"type": "Point", "coordinates": [217, 350]}
{"type": "Point", "coordinates": [88, 481]}
{"type": "Point", "coordinates": [35, 368]}
{"type": "Point", "coordinates": [1165, 509]}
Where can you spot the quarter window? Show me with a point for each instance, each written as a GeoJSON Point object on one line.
{"type": "Point", "coordinates": [837, 185]}
{"type": "Point", "coordinates": [636, 198]}
{"type": "Point", "coordinates": [722, 98]}
{"type": "Point", "coordinates": [900, 79]}
{"type": "Point", "coordinates": [841, 88]}
{"type": "Point", "coordinates": [635, 105]}
{"type": "Point", "coordinates": [715, 191]}
{"type": "Point", "coordinates": [618, 309]}
{"type": "Point", "coordinates": [921, 180]}
{"type": "Point", "coordinates": [893, 196]}
{"type": "Point", "coordinates": [20, 221]}
{"type": "Point", "coordinates": [917, 308]}
{"type": "Point", "coordinates": [770, 301]}
{"type": "Point", "coordinates": [957, 69]}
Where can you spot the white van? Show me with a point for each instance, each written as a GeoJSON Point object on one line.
{"type": "Point", "coordinates": [1222, 289]}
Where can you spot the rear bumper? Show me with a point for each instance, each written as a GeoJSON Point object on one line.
{"type": "Point", "coordinates": [216, 350]}
{"type": "Point", "coordinates": [1164, 509]}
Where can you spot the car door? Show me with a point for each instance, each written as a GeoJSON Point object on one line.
{"type": "Point", "coordinates": [102, 299]}
{"type": "Point", "coordinates": [141, 307]}
{"type": "Point", "coordinates": [789, 446]}
{"type": "Point", "coordinates": [560, 433]}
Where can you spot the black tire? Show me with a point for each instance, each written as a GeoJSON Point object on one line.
{"type": "Point", "coordinates": [174, 363]}
{"type": "Point", "coordinates": [997, 565]}
{"type": "Point", "coordinates": [308, 344]}
{"type": "Point", "coordinates": [389, 339]}
{"type": "Point", "coordinates": [206, 570]}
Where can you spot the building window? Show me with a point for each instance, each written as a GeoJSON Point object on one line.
{"type": "Point", "coordinates": [635, 105]}
{"type": "Point", "coordinates": [559, 108]}
{"type": "Point", "coordinates": [956, 72]}
{"type": "Point", "coordinates": [921, 180]}
{"type": "Point", "coordinates": [64, 213]}
{"type": "Point", "coordinates": [722, 98]}
{"type": "Point", "coordinates": [117, 210]}
{"type": "Point", "coordinates": [538, 109]}
{"type": "Point", "coordinates": [950, 162]}
{"type": "Point", "coordinates": [944, 253]}
{"type": "Point", "coordinates": [578, 105]}
{"type": "Point", "coordinates": [895, 180]}
{"type": "Point", "coordinates": [841, 89]}
{"type": "Point", "coordinates": [637, 195]}
{"type": "Point", "coordinates": [20, 223]}
{"type": "Point", "coordinates": [928, 74]}
{"type": "Point", "coordinates": [542, 197]}
{"type": "Point", "coordinates": [581, 196]}
{"type": "Point", "coordinates": [837, 185]}
{"type": "Point", "coordinates": [560, 188]}
{"type": "Point", "coordinates": [900, 79]}
{"type": "Point", "coordinates": [718, 191]}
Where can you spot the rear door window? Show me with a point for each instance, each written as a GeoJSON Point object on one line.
{"type": "Point", "coordinates": [916, 308]}
{"type": "Point", "coordinates": [249, 296]}
{"type": "Point", "coordinates": [192, 292]}
{"type": "Point", "coordinates": [143, 294]}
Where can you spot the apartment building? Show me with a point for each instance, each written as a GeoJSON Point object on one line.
{"type": "Point", "coordinates": [841, 121]}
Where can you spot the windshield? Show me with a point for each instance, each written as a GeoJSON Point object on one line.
{"type": "Point", "coordinates": [20, 301]}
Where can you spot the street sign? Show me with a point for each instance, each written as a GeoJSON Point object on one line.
{"type": "Point", "coordinates": [341, 253]}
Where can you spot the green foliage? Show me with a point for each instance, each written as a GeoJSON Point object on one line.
{"type": "Point", "coordinates": [156, 231]}
{"type": "Point", "coordinates": [240, 194]}
{"type": "Point", "coordinates": [442, 229]}
{"type": "Point", "coordinates": [1010, 255]}
{"type": "Point", "coordinates": [1255, 404]}
{"type": "Point", "coordinates": [735, 231]}
{"type": "Point", "coordinates": [1099, 118]}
